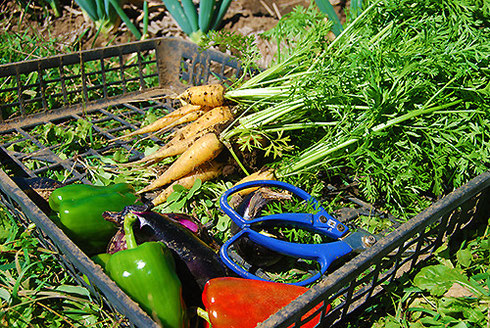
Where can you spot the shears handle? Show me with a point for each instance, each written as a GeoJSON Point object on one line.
{"type": "Point", "coordinates": [324, 254]}
{"type": "Point", "coordinates": [239, 220]}
{"type": "Point", "coordinates": [321, 221]}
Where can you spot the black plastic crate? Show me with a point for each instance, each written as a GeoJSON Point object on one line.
{"type": "Point", "coordinates": [112, 86]}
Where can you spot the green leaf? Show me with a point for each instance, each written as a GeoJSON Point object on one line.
{"type": "Point", "coordinates": [442, 249]}
{"type": "Point", "coordinates": [474, 313]}
{"type": "Point", "coordinates": [355, 8]}
{"type": "Point", "coordinates": [151, 150]}
{"type": "Point", "coordinates": [120, 156]}
{"type": "Point", "coordinates": [79, 290]}
{"type": "Point", "coordinates": [464, 257]}
{"type": "Point", "coordinates": [431, 322]}
{"type": "Point", "coordinates": [173, 197]}
{"type": "Point", "coordinates": [5, 295]}
{"type": "Point", "coordinates": [104, 175]}
{"type": "Point", "coordinates": [220, 13]}
{"type": "Point", "coordinates": [415, 325]}
{"type": "Point", "coordinates": [206, 12]}
{"type": "Point", "coordinates": [89, 8]}
{"type": "Point", "coordinates": [191, 14]}
{"type": "Point", "coordinates": [126, 19]}
{"type": "Point", "coordinates": [195, 187]}
{"type": "Point", "coordinates": [223, 223]}
{"type": "Point", "coordinates": [145, 19]}
{"type": "Point", "coordinates": [20, 278]}
{"type": "Point", "coordinates": [177, 205]}
{"type": "Point", "coordinates": [179, 188]}
{"type": "Point", "coordinates": [175, 9]}
{"type": "Point", "coordinates": [485, 244]}
{"type": "Point", "coordinates": [392, 322]}
{"type": "Point", "coordinates": [7, 266]}
{"type": "Point", "coordinates": [83, 128]}
{"type": "Point", "coordinates": [8, 229]}
{"type": "Point", "coordinates": [437, 279]}
{"type": "Point", "coordinates": [449, 305]}
{"type": "Point", "coordinates": [326, 7]}
{"type": "Point", "coordinates": [150, 118]}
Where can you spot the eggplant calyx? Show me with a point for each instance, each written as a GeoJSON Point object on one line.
{"type": "Point", "coordinates": [118, 217]}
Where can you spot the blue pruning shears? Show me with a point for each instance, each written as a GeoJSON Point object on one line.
{"type": "Point", "coordinates": [320, 222]}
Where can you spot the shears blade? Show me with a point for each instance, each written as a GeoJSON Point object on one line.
{"type": "Point", "coordinates": [359, 240]}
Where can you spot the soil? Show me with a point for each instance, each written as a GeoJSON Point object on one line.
{"type": "Point", "coordinates": [73, 29]}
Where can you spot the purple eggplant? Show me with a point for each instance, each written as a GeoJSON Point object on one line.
{"type": "Point", "coordinates": [196, 262]}
{"type": "Point", "coordinates": [250, 207]}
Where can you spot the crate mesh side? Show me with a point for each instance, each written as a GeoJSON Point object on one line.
{"type": "Point", "coordinates": [61, 81]}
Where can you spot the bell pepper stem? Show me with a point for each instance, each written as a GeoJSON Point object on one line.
{"type": "Point", "coordinates": [128, 231]}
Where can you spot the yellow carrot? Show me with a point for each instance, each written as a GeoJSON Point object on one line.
{"type": "Point", "coordinates": [217, 115]}
{"type": "Point", "coordinates": [206, 95]}
{"type": "Point", "coordinates": [204, 149]}
{"type": "Point", "coordinates": [266, 174]}
{"type": "Point", "coordinates": [189, 117]}
{"type": "Point", "coordinates": [184, 137]}
{"type": "Point", "coordinates": [168, 150]}
{"type": "Point", "coordinates": [164, 121]}
{"type": "Point", "coordinates": [205, 172]}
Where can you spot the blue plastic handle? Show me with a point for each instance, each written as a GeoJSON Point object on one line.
{"type": "Point", "coordinates": [321, 221]}
{"type": "Point", "coordinates": [324, 254]}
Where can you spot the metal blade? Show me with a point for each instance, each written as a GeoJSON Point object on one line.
{"type": "Point", "coordinates": [360, 240]}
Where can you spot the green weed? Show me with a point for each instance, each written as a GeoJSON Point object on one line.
{"type": "Point", "coordinates": [35, 290]}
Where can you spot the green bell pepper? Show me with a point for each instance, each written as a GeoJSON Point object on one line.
{"type": "Point", "coordinates": [147, 274]}
{"type": "Point", "coordinates": [80, 191]}
{"type": "Point", "coordinates": [80, 209]}
{"type": "Point", "coordinates": [101, 259]}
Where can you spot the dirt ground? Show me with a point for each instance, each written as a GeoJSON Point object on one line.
{"type": "Point", "coordinates": [248, 17]}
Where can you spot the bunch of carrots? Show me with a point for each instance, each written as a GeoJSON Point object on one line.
{"type": "Point", "coordinates": [196, 143]}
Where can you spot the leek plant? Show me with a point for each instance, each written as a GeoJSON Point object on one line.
{"type": "Point", "coordinates": [105, 13]}
{"type": "Point", "coordinates": [326, 7]}
{"type": "Point", "coordinates": [197, 20]}
{"type": "Point", "coordinates": [54, 5]}
{"type": "Point", "coordinates": [399, 101]}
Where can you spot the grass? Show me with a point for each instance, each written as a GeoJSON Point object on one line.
{"type": "Point", "coordinates": [25, 43]}
{"type": "Point", "coordinates": [35, 290]}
